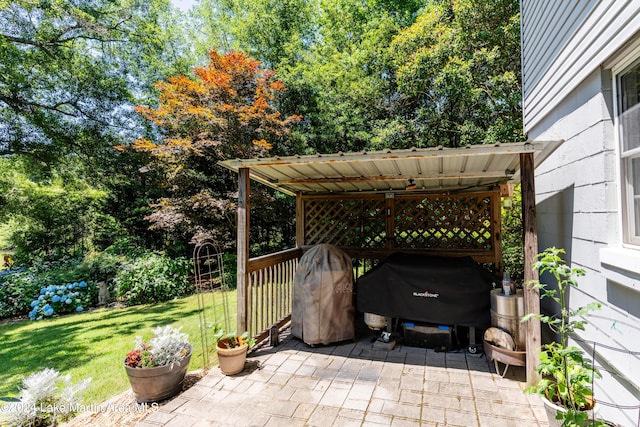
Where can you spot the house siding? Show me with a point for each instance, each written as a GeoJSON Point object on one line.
{"type": "Point", "coordinates": [568, 51]}
{"type": "Point", "coordinates": [577, 210]}
{"type": "Point", "coordinates": [563, 42]}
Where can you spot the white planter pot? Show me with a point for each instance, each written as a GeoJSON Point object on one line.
{"type": "Point", "coordinates": [552, 410]}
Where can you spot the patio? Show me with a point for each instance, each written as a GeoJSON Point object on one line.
{"type": "Point", "coordinates": [351, 384]}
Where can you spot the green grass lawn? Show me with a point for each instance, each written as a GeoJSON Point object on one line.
{"type": "Point", "coordinates": [94, 344]}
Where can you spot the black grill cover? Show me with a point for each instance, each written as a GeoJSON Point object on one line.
{"type": "Point", "coordinates": [446, 291]}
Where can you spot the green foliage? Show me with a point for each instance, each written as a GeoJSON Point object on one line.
{"type": "Point", "coordinates": [273, 31]}
{"type": "Point", "coordinates": [383, 74]}
{"type": "Point", "coordinates": [344, 84]}
{"type": "Point", "coordinates": [364, 75]}
{"type": "Point", "coordinates": [70, 67]}
{"type": "Point", "coordinates": [57, 215]}
{"type": "Point", "coordinates": [71, 72]}
{"type": "Point", "coordinates": [153, 278]}
{"type": "Point", "coordinates": [458, 75]}
{"type": "Point", "coordinates": [512, 237]}
{"type": "Point", "coordinates": [230, 270]}
{"type": "Point", "coordinates": [20, 288]}
{"type": "Point", "coordinates": [17, 290]}
{"type": "Point", "coordinates": [231, 339]}
{"type": "Point", "coordinates": [567, 376]}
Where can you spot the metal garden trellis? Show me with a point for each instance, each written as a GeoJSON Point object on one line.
{"type": "Point", "coordinates": [211, 285]}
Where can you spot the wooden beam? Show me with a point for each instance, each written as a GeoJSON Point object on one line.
{"type": "Point", "coordinates": [531, 295]}
{"type": "Point", "coordinates": [390, 222]}
{"type": "Point", "coordinates": [265, 334]}
{"type": "Point", "coordinates": [496, 225]}
{"type": "Point", "coordinates": [269, 260]}
{"type": "Point", "coordinates": [384, 178]}
{"type": "Point", "coordinates": [244, 205]}
{"type": "Point", "coordinates": [300, 217]}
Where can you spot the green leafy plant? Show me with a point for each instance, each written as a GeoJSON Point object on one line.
{"type": "Point", "coordinates": [17, 289]}
{"type": "Point", "coordinates": [153, 278]}
{"type": "Point", "coordinates": [512, 243]}
{"type": "Point", "coordinates": [567, 375]}
{"type": "Point", "coordinates": [232, 339]}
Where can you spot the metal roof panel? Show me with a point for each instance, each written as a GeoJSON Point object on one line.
{"type": "Point", "coordinates": [431, 169]}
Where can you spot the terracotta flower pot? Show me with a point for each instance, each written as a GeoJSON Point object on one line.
{"type": "Point", "coordinates": [231, 360]}
{"type": "Point", "coordinates": [158, 383]}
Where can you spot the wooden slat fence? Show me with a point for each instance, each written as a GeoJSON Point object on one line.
{"type": "Point", "coordinates": [270, 290]}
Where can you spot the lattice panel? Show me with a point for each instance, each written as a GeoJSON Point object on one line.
{"type": "Point", "coordinates": [445, 222]}
{"type": "Point", "coordinates": [345, 222]}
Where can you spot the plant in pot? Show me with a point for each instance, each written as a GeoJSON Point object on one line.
{"type": "Point", "coordinates": [566, 386]}
{"type": "Point", "coordinates": [156, 369]}
{"type": "Point", "coordinates": [232, 350]}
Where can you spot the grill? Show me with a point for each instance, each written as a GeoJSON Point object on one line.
{"type": "Point", "coordinates": [439, 290]}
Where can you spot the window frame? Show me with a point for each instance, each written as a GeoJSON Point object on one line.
{"type": "Point", "coordinates": [630, 236]}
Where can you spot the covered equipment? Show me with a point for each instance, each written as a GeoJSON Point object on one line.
{"type": "Point", "coordinates": [323, 311]}
{"type": "Point", "coordinates": [433, 289]}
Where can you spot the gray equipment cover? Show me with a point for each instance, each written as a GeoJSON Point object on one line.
{"type": "Point", "coordinates": [323, 310]}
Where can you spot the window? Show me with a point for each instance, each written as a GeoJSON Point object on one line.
{"type": "Point", "coordinates": [628, 84]}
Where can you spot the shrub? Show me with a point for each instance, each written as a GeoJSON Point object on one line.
{"type": "Point", "coordinates": [103, 267]}
{"type": "Point", "coordinates": [62, 299]}
{"type": "Point", "coordinates": [17, 290]}
{"type": "Point", "coordinates": [153, 278]}
{"type": "Point", "coordinates": [43, 403]}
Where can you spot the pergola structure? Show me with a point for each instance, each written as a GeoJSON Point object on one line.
{"type": "Point", "coordinates": [443, 201]}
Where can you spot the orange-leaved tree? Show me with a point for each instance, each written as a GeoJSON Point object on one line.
{"type": "Point", "coordinates": [226, 110]}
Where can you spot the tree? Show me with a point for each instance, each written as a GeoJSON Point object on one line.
{"type": "Point", "coordinates": [274, 31]}
{"type": "Point", "coordinates": [70, 69]}
{"type": "Point", "coordinates": [70, 74]}
{"type": "Point", "coordinates": [225, 111]}
{"type": "Point", "coordinates": [55, 216]}
{"type": "Point", "coordinates": [458, 74]}
{"type": "Point", "coordinates": [344, 83]}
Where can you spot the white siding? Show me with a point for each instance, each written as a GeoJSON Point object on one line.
{"type": "Point", "coordinates": [578, 210]}
{"type": "Point", "coordinates": [563, 42]}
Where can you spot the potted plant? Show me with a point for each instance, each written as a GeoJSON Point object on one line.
{"type": "Point", "coordinates": [232, 350]}
{"type": "Point", "coordinates": [156, 369]}
{"type": "Point", "coordinates": [566, 386]}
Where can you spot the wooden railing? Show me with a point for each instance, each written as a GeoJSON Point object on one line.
{"type": "Point", "coordinates": [270, 290]}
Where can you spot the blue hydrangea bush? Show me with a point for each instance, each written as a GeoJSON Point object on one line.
{"type": "Point", "coordinates": [61, 299]}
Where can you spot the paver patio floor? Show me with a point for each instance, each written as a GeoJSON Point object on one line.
{"type": "Point", "coordinates": [352, 384]}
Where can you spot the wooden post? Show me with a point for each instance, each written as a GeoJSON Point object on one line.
{"type": "Point", "coordinates": [496, 225]}
{"type": "Point", "coordinates": [389, 206]}
{"type": "Point", "coordinates": [531, 296]}
{"type": "Point", "coordinates": [300, 217]}
{"type": "Point", "coordinates": [244, 205]}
